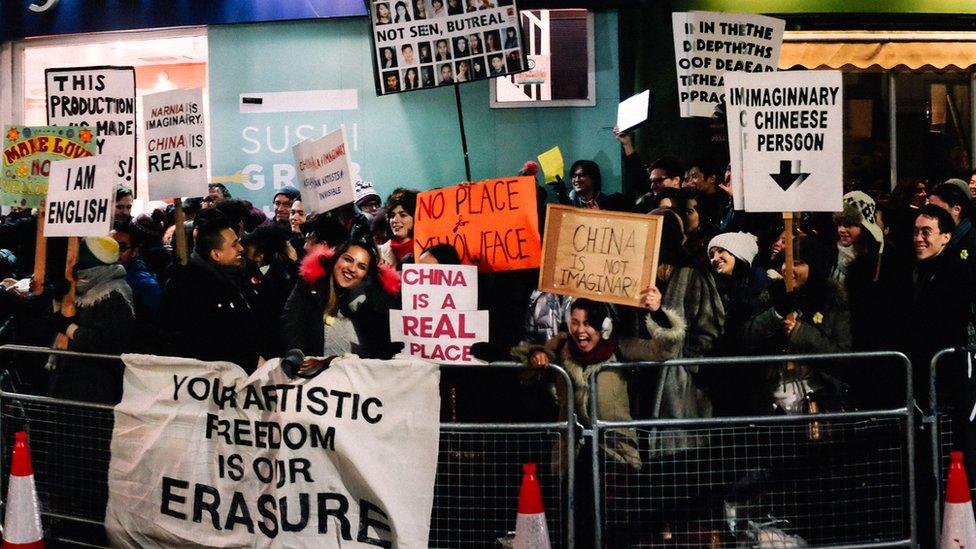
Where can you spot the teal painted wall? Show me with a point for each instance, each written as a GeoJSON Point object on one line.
{"type": "Point", "coordinates": [409, 139]}
{"type": "Point", "coordinates": [828, 6]}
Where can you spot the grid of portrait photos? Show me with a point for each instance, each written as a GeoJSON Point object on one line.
{"type": "Point", "coordinates": [422, 44]}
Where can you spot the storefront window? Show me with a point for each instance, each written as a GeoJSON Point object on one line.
{"type": "Point", "coordinates": [867, 132]}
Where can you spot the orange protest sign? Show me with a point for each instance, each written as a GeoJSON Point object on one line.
{"type": "Point", "coordinates": [493, 224]}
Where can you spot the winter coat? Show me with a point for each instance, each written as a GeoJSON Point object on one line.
{"type": "Point", "coordinates": [367, 305]}
{"type": "Point", "coordinates": [269, 290]}
{"type": "Point", "coordinates": [105, 319]}
{"type": "Point", "coordinates": [145, 287]}
{"type": "Point", "coordinates": [692, 294]}
{"type": "Point", "coordinates": [207, 316]}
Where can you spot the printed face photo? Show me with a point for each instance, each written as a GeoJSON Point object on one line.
{"type": "Point", "coordinates": [427, 76]}
{"type": "Point", "coordinates": [407, 56]}
{"type": "Point", "coordinates": [487, 4]}
{"type": "Point", "coordinates": [410, 79]}
{"type": "Point", "coordinates": [462, 71]}
{"type": "Point", "coordinates": [497, 64]}
{"type": "Point", "coordinates": [388, 58]}
{"type": "Point", "coordinates": [382, 13]}
{"type": "Point", "coordinates": [419, 9]}
{"type": "Point", "coordinates": [478, 67]}
{"type": "Point", "coordinates": [461, 47]}
{"type": "Point", "coordinates": [511, 38]}
{"type": "Point", "coordinates": [493, 41]}
{"type": "Point", "coordinates": [437, 6]}
{"type": "Point", "coordinates": [401, 15]}
{"type": "Point", "coordinates": [423, 49]}
{"type": "Point", "coordinates": [391, 81]}
{"type": "Point", "coordinates": [442, 52]}
{"type": "Point", "coordinates": [445, 74]}
{"type": "Point", "coordinates": [455, 7]}
{"type": "Point", "coordinates": [474, 44]}
{"type": "Point", "coordinates": [514, 59]}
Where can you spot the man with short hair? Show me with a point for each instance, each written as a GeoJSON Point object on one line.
{"type": "Point", "coordinates": [216, 192]}
{"type": "Point", "coordinates": [282, 204]}
{"type": "Point", "coordinates": [146, 292]}
{"type": "Point", "coordinates": [714, 204]}
{"type": "Point", "coordinates": [204, 307]}
{"type": "Point", "coordinates": [123, 203]}
{"type": "Point", "coordinates": [953, 197]}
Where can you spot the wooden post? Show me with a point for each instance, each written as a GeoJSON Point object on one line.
{"type": "Point", "coordinates": [179, 233]}
{"type": "Point", "coordinates": [788, 250]}
{"type": "Point", "coordinates": [40, 253]}
{"type": "Point", "coordinates": [68, 301]}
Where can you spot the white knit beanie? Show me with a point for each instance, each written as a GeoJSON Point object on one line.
{"type": "Point", "coordinates": [743, 246]}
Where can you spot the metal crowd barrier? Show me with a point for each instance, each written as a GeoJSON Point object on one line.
{"type": "Point", "coordinates": [479, 468]}
{"type": "Point", "coordinates": [841, 479]}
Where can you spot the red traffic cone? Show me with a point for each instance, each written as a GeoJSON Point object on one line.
{"type": "Point", "coordinates": [531, 531]}
{"type": "Point", "coordinates": [958, 524]}
{"type": "Point", "coordinates": [22, 519]}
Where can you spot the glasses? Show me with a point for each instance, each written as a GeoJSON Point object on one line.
{"type": "Point", "coordinates": [656, 180]}
{"type": "Point", "coordinates": [926, 232]}
{"type": "Point", "coordinates": [579, 175]}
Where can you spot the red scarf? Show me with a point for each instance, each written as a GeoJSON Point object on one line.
{"type": "Point", "coordinates": [400, 249]}
{"type": "Point", "coordinates": [601, 353]}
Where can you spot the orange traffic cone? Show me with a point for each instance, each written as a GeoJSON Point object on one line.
{"type": "Point", "coordinates": [22, 520]}
{"type": "Point", "coordinates": [958, 524]}
{"type": "Point", "coordinates": [531, 531]}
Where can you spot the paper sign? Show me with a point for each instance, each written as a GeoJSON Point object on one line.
{"type": "Point", "coordinates": [786, 140]}
{"type": "Point", "coordinates": [417, 46]}
{"type": "Point", "coordinates": [103, 97]}
{"type": "Point", "coordinates": [28, 153]}
{"type": "Point", "coordinates": [440, 336]}
{"type": "Point", "coordinates": [493, 224]}
{"type": "Point", "coordinates": [176, 147]}
{"type": "Point", "coordinates": [205, 456]}
{"type": "Point", "coordinates": [601, 255]}
{"type": "Point", "coordinates": [324, 172]}
{"type": "Point", "coordinates": [708, 45]}
{"type": "Point", "coordinates": [633, 111]}
{"type": "Point", "coordinates": [80, 197]}
{"type": "Point", "coordinates": [439, 287]}
{"type": "Point", "coordinates": [552, 164]}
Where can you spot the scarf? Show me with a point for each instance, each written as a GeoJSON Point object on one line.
{"type": "Point", "coordinates": [401, 249]}
{"type": "Point", "coordinates": [601, 353]}
{"type": "Point", "coordinates": [95, 284]}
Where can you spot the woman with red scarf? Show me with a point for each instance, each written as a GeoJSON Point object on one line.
{"type": "Point", "coordinates": [400, 208]}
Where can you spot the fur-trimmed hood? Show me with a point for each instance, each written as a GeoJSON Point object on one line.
{"type": "Point", "coordinates": [313, 270]}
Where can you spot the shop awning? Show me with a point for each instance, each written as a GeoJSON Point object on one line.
{"type": "Point", "coordinates": [946, 51]}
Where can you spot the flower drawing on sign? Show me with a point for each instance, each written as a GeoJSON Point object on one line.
{"type": "Point", "coordinates": [13, 134]}
{"type": "Point", "coordinates": [85, 136]}
{"type": "Point", "coordinates": [22, 169]}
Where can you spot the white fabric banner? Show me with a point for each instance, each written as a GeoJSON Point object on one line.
{"type": "Point", "coordinates": [176, 144]}
{"type": "Point", "coordinates": [204, 455]}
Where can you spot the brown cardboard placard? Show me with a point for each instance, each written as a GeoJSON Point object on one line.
{"type": "Point", "coordinates": [597, 254]}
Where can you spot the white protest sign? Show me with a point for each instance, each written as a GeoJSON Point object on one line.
{"type": "Point", "coordinates": [80, 197]}
{"type": "Point", "coordinates": [203, 455]}
{"type": "Point", "coordinates": [440, 287]}
{"type": "Point", "coordinates": [786, 140]}
{"type": "Point", "coordinates": [708, 45]}
{"type": "Point", "coordinates": [103, 97]}
{"type": "Point", "coordinates": [633, 110]}
{"type": "Point", "coordinates": [176, 148]}
{"type": "Point", "coordinates": [440, 336]}
{"type": "Point", "coordinates": [324, 172]}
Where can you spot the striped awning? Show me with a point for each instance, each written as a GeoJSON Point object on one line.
{"type": "Point", "coordinates": [908, 51]}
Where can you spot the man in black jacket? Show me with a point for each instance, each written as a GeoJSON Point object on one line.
{"type": "Point", "coordinates": [204, 306]}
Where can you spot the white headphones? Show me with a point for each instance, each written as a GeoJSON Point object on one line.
{"type": "Point", "coordinates": [606, 329]}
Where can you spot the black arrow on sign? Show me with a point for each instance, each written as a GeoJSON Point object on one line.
{"type": "Point", "coordinates": [786, 178]}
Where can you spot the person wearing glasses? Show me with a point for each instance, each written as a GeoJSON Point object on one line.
{"type": "Point", "coordinates": [587, 189]}
{"type": "Point", "coordinates": [647, 182]}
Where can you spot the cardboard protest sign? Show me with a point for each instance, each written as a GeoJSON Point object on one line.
{"type": "Point", "coordinates": [440, 321]}
{"type": "Point", "coordinates": [103, 97]}
{"type": "Point", "coordinates": [28, 152]}
{"type": "Point", "coordinates": [324, 172]}
{"type": "Point", "coordinates": [176, 147]}
{"type": "Point", "coordinates": [786, 140]}
{"type": "Point", "coordinates": [417, 46]}
{"type": "Point", "coordinates": [602, 255]}
{"type": "Point", "coordinates": [633, 111]}
{"type": "Point", "coordinates": [552, 164]}
{"type": "Point", "coordinates": [80, 197]}
{"type": "Point", "coordinates": [708, 45]}
{"type": "Point", "coordinates": [203, 455]}
{"type": "Point", "coordinates": [493, 224]}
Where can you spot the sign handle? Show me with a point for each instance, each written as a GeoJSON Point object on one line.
{"type": "Point", "coordinates": [68, 301]}
{"type": "Point", "coordinates": [40, 253]}
{"type": "Point", "coordinates": [464, 138]}
{"type": "Point", "coordinates": [180, 233]}
{"type": "Point", "coordinates": [788, 250]}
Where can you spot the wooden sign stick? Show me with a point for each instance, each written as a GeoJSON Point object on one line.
{"type": "Point", "coordinates": [179, 233]}
{"type": "Point", "coordinates": [40, 253]}
{"type": "Point", "coordinates": [68, 301]}
{"type": "Point", "coordinates": [788, 250]}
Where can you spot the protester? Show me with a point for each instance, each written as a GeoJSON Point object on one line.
{"type": "Point", "coordinates": [103, 323]}
{"type": "Point", "coordinates": [270, 279]}
{"type": "Point", "coordinates": [953, 197]}
{"type": "Point", "coordinates": [123, 203]}
{"type": "Point", "coordinates": [216, 192]}
{"type": "Point", "coordinates": [145, 287]}
{"type": "Point", "coordinates": [400, 207]}
{"type": "Point", "coordinates": [341, 303]}
{"type": "Point", "coordinates": [587, 189]}
{"type": "Point", "coordinates": [282, 204]}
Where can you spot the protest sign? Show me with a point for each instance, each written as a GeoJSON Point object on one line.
{"type": "Point", "coordinates": [493, 224]}
{"type": "Point", "coordinates": [602, 255]}
{"type": "Point", "coordinates": [176, 147]}
{"type": "Point", "coordinates": [633, 111]}
{"type": "Point", "coordinates": [552, 164]}
{"type": "Point", "coordinates": [708, 45]}
{"type": "Point", "coordinates": [440, 320]}
{"type": "Point", "coordinates": [103, 97]}
{"type": "Point", "coordinates": [28, 152]}
{"type": "Point", "coordinates": [324, 172]}
{"type": "Point", "coordinates": [786, 140]}
{"type": "Point", "coordinates": [203, 455]}
{"type": "Point", "coordinates": [416, 46]}
{"type": "Point", "coordinates": [80, 197]}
